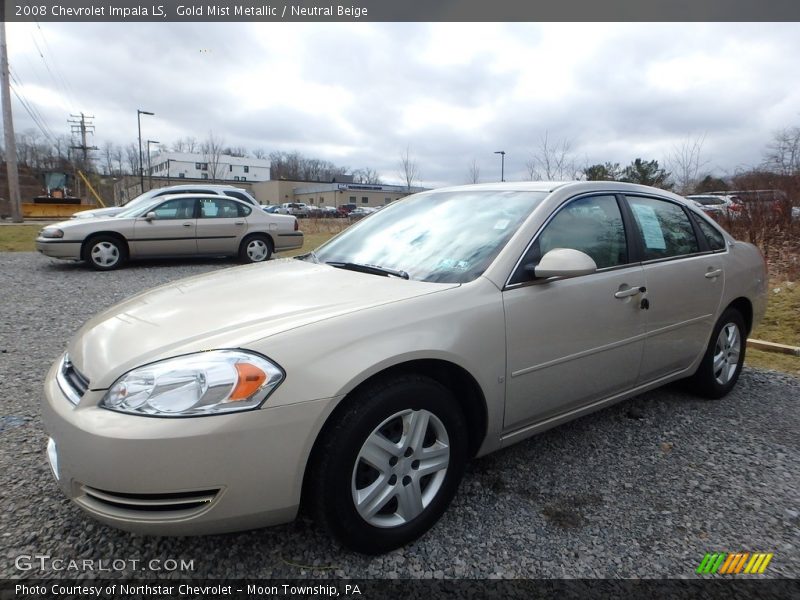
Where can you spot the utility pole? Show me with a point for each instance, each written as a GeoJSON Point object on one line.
{"type": "Point", "coordinates": [8, 126]}
{"type": "Point", "coordinates": [82, 127]}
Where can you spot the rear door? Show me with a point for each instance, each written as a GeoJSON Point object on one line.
{"type": "Point", "coordinates": [684, 277]}
{"type": "Point", "coordinates": [221, 225]}
{"type": "Point", "coordinates": [170, 233]}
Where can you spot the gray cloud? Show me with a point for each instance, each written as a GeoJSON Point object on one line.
{"type": "Point", "coordinates": [359, 94]}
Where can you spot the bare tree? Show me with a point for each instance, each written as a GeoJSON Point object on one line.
{"type": "Point", "coordinates": [473, 172]}
{"type": "Point", "coordinates": [190, 144]}
{"type": "Point", "coordinates": [783, 153]}
{"type": "Point", "coordinates": [367, 175]}
{"type": "Point", "coordinates": [108, 157]}
{"type": "Point", "coordinates": [117, 156]}
{"type": "Point", "coordinates": [685, 162]}
{"type": "Point", "coordinates": [259, 153]}
{"type": "Point", "coordinates": [212, 153]}
{"type": "Point", "coordinates": [553, 160]}
{"type": "Point", "coordinates": [132, 157]}
{"type": "Point", "coordinates": [408, 169]}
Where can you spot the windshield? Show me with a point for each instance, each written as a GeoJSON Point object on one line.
{"type": "Point", "coordinates": [135, 207]}
{"type": "Point", "coordinates": [448, 237]}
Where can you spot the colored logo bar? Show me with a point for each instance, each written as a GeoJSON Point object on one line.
{"type": "Point", "coordinates": [725, 563]}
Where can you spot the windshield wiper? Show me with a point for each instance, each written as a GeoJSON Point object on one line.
{"type": "Point", "coordinates": [372, 269]}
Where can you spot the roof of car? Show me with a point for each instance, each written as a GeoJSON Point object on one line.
{"type": "Point", "coordinates": [550, 186]}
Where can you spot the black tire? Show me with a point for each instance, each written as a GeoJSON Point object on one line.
{"type": "Point", "coordinates": [338, 472]}
{"type": "Point", "coordinates": [255, 248]}
{"type": "Point", "coordinates": [105, 252]}
{"type": "Point", "coordinates": [712, 381]}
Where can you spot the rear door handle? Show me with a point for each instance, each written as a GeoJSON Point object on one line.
{"type": "Point", "coordinates": [238, 222]}
{"type": "Point", "coordinates": [187, 224]}
{"type": "Point", "coordinates": [714, 273]}
{"type": "Point", "coordinates": [630, 292]}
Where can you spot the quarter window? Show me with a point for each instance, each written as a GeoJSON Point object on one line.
{"type": "Point", "coordinates": [714, 237]}
{"type": "Point", "coordinates": [664, 228]}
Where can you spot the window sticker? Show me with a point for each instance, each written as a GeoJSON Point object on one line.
{"type": "Point", "coordinates": [451, 264]}
{"type": "Point", "coordinates": [502, 224]}
{"type": "Point", "coordinates": [651, 228]}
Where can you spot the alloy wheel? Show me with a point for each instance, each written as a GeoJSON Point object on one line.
{"type": "Point", "coordinates": [726, 353]}
{"type": "Point", "coordinates": [400, 468]}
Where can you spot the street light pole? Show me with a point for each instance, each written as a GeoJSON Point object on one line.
{"type": "Point", "coordinates": [139, 114]}
{"type": "Point", "coordinates": [149, 168]}
{"type": "Point", "coordinates": [502, 154]}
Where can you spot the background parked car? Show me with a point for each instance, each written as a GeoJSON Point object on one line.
{"type": "Point", "coordinates": [222, 190]}
{"type": "Point", "coordinates": [298, 209]}
{"type": "Point", "coordinates": [716, 206]}
{"type": "Point", "coordinates": [173, 226]}
{"type": "Point", "coordinates": [361, 212]}
{"type": "Point", "coordinates": [346, 209]}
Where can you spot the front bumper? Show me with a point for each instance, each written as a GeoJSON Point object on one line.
{"type": "Point", "coordinates": [181, 476]}
{"type": "Point", "coordinates": [59, 248]}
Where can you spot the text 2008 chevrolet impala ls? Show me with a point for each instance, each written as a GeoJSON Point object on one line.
{"type": "Point", "coordinates": [448, 325]}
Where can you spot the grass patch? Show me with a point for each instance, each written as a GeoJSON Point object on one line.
{"type": "Point", "coordinates": [18, 238]}
{"type": "Point", "coordinates": [781, 324]}
{"type": "Point", "coordinates": [772, 360]}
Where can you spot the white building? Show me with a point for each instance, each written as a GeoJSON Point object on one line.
{"type": "Point", "coordinates": [182, 165]}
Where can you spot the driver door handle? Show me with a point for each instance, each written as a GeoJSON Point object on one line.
{"type": "Point", "coordinates": [187, 224]}
{"type": "Point", "coordinates": [633, 291]}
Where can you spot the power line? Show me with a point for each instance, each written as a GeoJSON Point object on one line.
{"type": "Point", "coordinates": [34, 113]}
{"type": "Point", "coordinates": [58, 85]}
{"type": "Point", "coordinates": [67, 86]}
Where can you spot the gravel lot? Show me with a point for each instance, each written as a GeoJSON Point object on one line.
{"type": "Point", "coordinates": [643, 489]}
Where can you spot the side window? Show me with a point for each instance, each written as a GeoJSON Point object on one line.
{"type": "Point", "coordinates": [664, 228]}
{"type": "Point", "coordinates": [177, 208]}
{"type": "Point", "coordinates": [592, 225]}
{"type": "Point", "coordinates": [714, 237]}
{"type": "Point", "coordinates": [238, 195]}
{"type": "Point", "coordinates": [218, 208]}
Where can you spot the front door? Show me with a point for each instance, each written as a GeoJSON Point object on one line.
{"type": "Point", "coordinates": [170, 233]}
{"type": "Point", "coordinates": [573, 341]}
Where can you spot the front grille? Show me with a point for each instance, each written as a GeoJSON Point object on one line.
{"type": "Point", "coordinates": [170, 505]}
{"type": "Point", "coordinates": [72, 382]}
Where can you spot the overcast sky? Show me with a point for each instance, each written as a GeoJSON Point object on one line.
{"type": "Point", "coordinates": [359, 94]}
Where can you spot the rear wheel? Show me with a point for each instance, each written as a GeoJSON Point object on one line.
{"type": "Point", "coordinates": [105, 252]}
{"type": "Point", "coordinates": [722, 362]}
{"type": "Point", "coordinates": [255, 248]}
{"type": "Point", "coordinates": [387, 468]}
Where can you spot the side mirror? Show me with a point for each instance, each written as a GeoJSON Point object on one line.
{"type": "Point", "coordinates": [150, 216]}
{"type": "Point", "coordinates": [563, 262]}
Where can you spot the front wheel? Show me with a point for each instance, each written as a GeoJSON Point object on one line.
{"type": "Point", "coordinates": [255, 248]}
{"type": "Point", "coordinates": [105, 253]}
{"type": "Point", "coordinates": [722, 362]}
{"type": "Point", "coordinates": [387, 468]}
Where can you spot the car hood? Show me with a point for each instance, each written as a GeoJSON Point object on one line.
{"type": "Point", "coordinates": [98, 212]}
{"type": "Point", "coordinates": [231, 308]}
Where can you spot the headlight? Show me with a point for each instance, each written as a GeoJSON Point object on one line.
{"type": "Point", "coordinates": [52, 232]}
{"type": "Point", "coordinates": [206, 383]}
